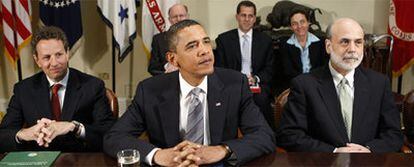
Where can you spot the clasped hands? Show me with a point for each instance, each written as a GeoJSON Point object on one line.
{"type": "Point", "coordinates": [45, 131]}
{"type": "Point", "coordinates": [352, 148]}
{"type": "Point", "coordinates": [188, 153]}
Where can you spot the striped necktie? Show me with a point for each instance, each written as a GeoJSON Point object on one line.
{"type": "Point", "coordinates": [195, 123]}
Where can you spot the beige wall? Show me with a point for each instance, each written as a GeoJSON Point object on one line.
{"type": "Point", "coordinates": [94, 56]}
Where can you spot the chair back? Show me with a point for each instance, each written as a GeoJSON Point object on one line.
{"type": "Point", "coordinates": [113, 102]}
{"type": "Point", "coordinates": [408, 115]}
{"type": "Point", "coordinates": [378, 53]}
{"type": "Point", "coordinates": [280, 102]}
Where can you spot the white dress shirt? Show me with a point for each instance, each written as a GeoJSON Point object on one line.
{"type": "Point", "coordinates": [246, 58]}
{"type": "Point", "coordinates": [337, 77]}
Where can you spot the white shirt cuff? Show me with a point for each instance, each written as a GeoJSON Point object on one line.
{"type": "Point", "coordinates": [166, 65]}
{"type": "Point", "coordinates": [150, 156]}
{"type": "Point", "coordinates": [257, 79]}
{"type": "Point", "coordinates": [17, 140]}
{"type": "Point", "coordinates": [82, 131]}
{"type": "Point", "coordinates": [334, 151]}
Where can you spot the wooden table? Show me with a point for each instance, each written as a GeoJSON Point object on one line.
{"type": "Point", "coordinates": [280, 159]}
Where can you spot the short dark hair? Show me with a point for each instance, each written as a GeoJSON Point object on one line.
{"type": "Point", "coordinates": [46, 33]}
{"type": "Point", "coordinates": [300, 10]}
{"type": "Point", "coordinates": [172, 39]}
{"type": "Point", "coordinates": [246, 4]}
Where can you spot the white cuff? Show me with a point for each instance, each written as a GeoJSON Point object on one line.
{"type": "Point", "coordinates": [166, 65]}
{"type": "Point", "coordinates": [150, 156]}
{"type": "Point", "coordinates": [82, 131]}
{"type": "Point", "coordinates": [257, 79]}
{"type": "Point", "coordinates": [17, 140]}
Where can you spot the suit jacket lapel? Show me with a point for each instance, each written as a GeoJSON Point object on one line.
{"type": "Point", "coordinates": [255, 48]}
{"type": "Point", "coordinates": [330, 98]}
{"type": "Point", "coordinates": [216, 105]}
{"type": "Point", "coordinates": [236, 44]}
{"type": "Point", "coordinates": [361, 99]}
{"type": "Point", "coordinates": [42, 97]}
{"type": "Point", "coordinates": [313, 53]}
{"type": "Point", "coordinates": [72, 96]}
{"type": "Point", "coordinates": [295, 57]}
{"type": "Point", "coordinates": [169, 111]}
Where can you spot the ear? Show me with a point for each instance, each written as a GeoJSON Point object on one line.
{"type": "Point", "coordinates": [36, 59]}
{"type": "Point", "coordinates": [328, 46]}
{"type": "Point", "coordinates": [172, 58]}
{"type": "Point", "coordinates": [67, 55]}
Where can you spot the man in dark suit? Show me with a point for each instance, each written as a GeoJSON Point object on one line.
{"type": "Point", "coordinates": [341, 107]}
{"type": "Point", "coordinates": [250, 52]}
{"type": "Point", "coordinates": [158, 62]}
{"type": "Point", "coordinates": [301, 53]}
{"type": "Point", "coordinates": [162, 107]}
{"type": "Point", "coordinates": [59, 108]}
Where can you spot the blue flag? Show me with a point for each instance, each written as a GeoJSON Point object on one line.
{"type": "Point", "coordinates": [65, 14]}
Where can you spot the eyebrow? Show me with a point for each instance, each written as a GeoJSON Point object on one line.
{"type": "Point", "coordinates": [195, 41]}
{"type": "Point", "coordinates": [348, 39]}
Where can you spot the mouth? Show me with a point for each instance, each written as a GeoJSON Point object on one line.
{"type": "Point", "coordinates": [350, 59]}
{"type": "Point", "coordinates": [56, 70]}
{"type": "Point", "coordinates": [205, 61]}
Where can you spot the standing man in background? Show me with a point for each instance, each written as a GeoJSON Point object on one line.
{"type": "Point", "coordinates": [250, 52]}
{"type": "Point", "coordinates": [158, 62]}
{"type": "Point", "coordinates": [59, 108]}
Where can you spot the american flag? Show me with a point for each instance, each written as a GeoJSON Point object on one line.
{"type": "Point", "coordinates": [17, 28]}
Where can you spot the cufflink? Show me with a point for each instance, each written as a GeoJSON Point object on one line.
{"type": "Point", "coordinates": [218, 104]}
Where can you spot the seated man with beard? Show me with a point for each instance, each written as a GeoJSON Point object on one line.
{"type": "Point", "coordinates": [341, 107]}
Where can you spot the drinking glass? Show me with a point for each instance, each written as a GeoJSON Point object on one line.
{"type": "Point", "coordinates": [128, 158]}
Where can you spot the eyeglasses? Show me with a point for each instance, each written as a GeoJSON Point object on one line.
{"type": "Point", "coordinates": [176, 17]}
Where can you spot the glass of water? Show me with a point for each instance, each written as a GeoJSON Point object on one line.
{"type": "Point", "coordinates": [128, 158]}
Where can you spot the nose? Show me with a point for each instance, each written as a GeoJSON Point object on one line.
{"type": "Point", "coordinates": [352, 47]}
{"type": "Point", "coordinates": [204, 50]}
{"type": "Point", "coordinates": [53, 61]}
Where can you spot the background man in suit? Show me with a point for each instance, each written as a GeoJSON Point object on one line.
{"type": "Point", "coordinates": [162, 107]}
{"type": "Point", "coordinates": [158, 62]}
{"type": "Point", "coordinates": [301, 53]}
{"type": "Point", "coordinates": [250, 52]}
{"type": "Point", "coordinates": [341, 107]}
{"type": "Point", "coordinates": [59, 108]}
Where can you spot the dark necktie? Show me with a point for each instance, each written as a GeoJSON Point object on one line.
{"type": "Point", "coordinates": [55, 102]}
{"type": "Point", "coordinates": [195, 123]}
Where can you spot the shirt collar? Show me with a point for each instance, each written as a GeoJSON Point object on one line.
{"type": "Point", "coordinates": [310, 38]}
{"type": "Point", "coordinates": [63, 82]}
{"type": "Point", "coordinates": [241, 33]}
{"type": "Point", "coordinates": [186, 88]}
{"type": "Point", "coordinates": [337, 77]}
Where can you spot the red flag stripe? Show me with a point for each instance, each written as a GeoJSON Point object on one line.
{"type": "Point", "coordinates": [22, 29]}
{"type": "Point", "coordinates": [18, 23]}
{"type": "Point", "coordinates": [7, 16]}
{"type": "Point", "coordinates": [22, 17]}
{"type": "Point", "coordinates": [10, 49]}
{"type": "Point", "coordinates": [25, 5]}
